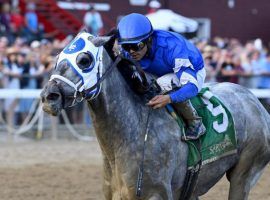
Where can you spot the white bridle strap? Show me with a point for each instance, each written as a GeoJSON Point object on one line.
{"type": "Point", "coordinates": [71, 84]}
{"type": "Point", "coordinates": [62, 78]}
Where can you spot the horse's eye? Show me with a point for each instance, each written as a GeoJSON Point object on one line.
{"type": "Point", "coordinates": [84, 60]}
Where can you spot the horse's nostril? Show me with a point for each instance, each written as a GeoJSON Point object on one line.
{"type": "Point", "coordinates": [53, 96]}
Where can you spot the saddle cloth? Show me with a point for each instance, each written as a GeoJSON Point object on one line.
{"type": "Point", "coordinates": [219, 140]}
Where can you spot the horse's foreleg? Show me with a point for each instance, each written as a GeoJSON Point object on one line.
{"type": "Point", "coordinates": [107, 174]}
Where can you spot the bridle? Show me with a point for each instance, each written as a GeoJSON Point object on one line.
{"type": "Point", "coordinates": [79, 92]}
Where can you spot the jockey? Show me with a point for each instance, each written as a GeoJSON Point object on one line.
{"type": "Point", "coordinates": [173, 59]}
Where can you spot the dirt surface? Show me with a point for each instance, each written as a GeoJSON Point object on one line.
{"type": "Point", "coordinates": [71, 170]}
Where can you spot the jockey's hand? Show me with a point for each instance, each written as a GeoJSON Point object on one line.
{"type": "Point", "coordinates": [159, 101]}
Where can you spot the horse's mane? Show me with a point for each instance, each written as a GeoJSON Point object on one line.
{"type": "Point", "coordinates": [109, 45]}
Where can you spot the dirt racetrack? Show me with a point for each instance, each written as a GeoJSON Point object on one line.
{"type": "Point", "coordinates": [71, 170]}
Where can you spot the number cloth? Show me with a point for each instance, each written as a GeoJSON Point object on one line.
{"type": "Point", "coordinates": [219, 140]}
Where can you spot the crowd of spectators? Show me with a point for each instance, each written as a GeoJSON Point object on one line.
{"type": "Point", "coordinates": [27, 58]}
{"type": "Point", "coordinates": [13, 23]}
{"type": "Point", "coordinates": [24, 66]}
{"type": "Point", "coordinates": [229, 60]}
{"type": "Point", "coordinates": [92, 21]}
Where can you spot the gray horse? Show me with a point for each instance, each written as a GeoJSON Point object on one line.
{"type": "Point", "coordinates": [120, 119]}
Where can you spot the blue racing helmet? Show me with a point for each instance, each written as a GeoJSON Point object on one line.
{"type": "Point", "coordinates": [134, 28]}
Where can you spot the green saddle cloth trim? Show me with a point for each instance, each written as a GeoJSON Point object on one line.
{"type": "Point", "coordinates": [219, 140]}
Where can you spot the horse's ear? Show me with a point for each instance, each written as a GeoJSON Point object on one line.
{"type": "Point", "coordinates": [101, 40]}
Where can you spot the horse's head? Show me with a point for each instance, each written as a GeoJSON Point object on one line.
{"type": "Point", "coordinates": [76, 75]}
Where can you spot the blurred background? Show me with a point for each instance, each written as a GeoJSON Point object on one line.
{"type": "Point", "coordinates": [44, 157]}
{"type": "Point", "coordinates": [233, 36]}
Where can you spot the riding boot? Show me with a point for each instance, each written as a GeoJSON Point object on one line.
{"type": "Point", "coordinates": [195, 127]}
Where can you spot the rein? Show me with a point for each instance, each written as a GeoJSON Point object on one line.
{"type": "Point", "coordinates": [141, 168]}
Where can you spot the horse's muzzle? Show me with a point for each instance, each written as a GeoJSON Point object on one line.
{"type": "Point", "coordinates": [51, 98]}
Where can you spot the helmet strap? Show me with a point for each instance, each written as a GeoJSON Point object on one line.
{"type": "Point", "coordinates": [149, 45]}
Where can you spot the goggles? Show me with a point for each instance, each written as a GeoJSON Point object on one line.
{"type": "Point", "coordinates": [135, 47]}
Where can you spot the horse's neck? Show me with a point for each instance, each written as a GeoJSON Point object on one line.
{"type": "Point", "coordinates": [116, 115]}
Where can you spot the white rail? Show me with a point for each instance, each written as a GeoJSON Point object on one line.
{"type": "Point", "coordinates": [261, 93]}
{"type": "Point", "coordinates": [20, 93]}
{"type": "Point", "coordinates": [38, 117]}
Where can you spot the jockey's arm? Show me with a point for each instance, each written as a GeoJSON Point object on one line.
{"type": "Point", "coordinates": [188, 83]}
{"type": "Point", "coordinates": [186, 92]}
{"type": "Point", "coordinates": [186, 72]}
